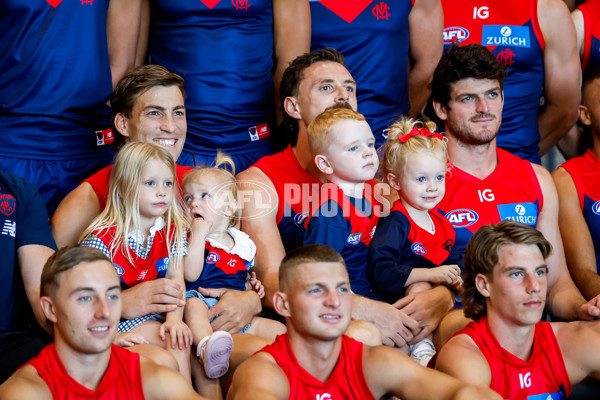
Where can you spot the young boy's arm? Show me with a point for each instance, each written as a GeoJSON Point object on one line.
{"type": "Point", "coordinates": [194, 260]}
{"type": "Point", "coordinates": [327, 226]}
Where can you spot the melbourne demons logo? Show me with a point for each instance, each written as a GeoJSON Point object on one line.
{"type": "Point", "coordinates": [596, 208]}
{"type": "Point", "coordinates": [506, 57]}
{"type": "Point", "coordinates": [418, 249]}
{"type": "Point", "coordinates": [455, 34]}
{"type": "Point", "coordinates": [7, 204]}
{"type": "Point", "coordinates": [462, 217]}
{"type": "Point", "coordinates": [381, 11]}
{"type": "Point", "coordinates": [212, 257]}
{"type": "Point", "coordinates": [354, 238]}
{"type": "Point", "coordinates": [241, 4]}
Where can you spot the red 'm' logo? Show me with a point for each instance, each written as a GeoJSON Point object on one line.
{"type": "Point", "coordinates": [241, 4]}
{"type": "Point", "coordinates": [381, 11]}
{"type": "Point", "coordinates": [506, 56]}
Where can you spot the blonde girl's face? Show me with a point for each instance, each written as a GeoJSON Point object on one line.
{"type": "Point", "coordinates": [156, 191]}
{"type": "Point", "coordinates": [422, 184]}
{"type": "Point", "coordinates": [209, 198]}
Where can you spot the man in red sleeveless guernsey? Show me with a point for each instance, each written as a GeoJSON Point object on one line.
{"type": "Point", "coordinates": [487, 184]}
{"type": "Point", "coordinates": [80, 296]}
{"type": "Point", "coordinates": [315, 360]}
{"type": "Point", "coordinates": [507, 347]}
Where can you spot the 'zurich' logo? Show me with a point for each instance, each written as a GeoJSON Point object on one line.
{"type": "Point", "coordinates": [462, 217]}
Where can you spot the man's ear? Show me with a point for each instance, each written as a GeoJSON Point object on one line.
{"type": "Point", "coordinates": [440, 110]}
{"type": "Point", "coordinates": [291, 107]}
{"type": "Point", "coordinates": [323, 164]}
{"type": "Point", "coordinates": [280, 304]}
{"type": "Point", "coordinates": [482, 285]}
{"type": "Point", "coordinates": [584, 115]}
{"type": "Point", "coordinates": [48, 308]}
{"type": "Point", "coordinates": [121, 125]}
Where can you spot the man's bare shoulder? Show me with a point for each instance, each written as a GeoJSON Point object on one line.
{"type": "Point", "coordinates": [259, 377]}
{"type": "Point", "coordinates": [253, 174]}
{"type": "Point", "coordinates": [461, 358]}
{"type": "Point", "coordinates": [26, 383]}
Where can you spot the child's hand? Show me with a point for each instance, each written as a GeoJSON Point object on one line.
{"type": "Point", "coordinates": [446, 274]}
{"type": "Point", "coordinates": [456, 286]}
{"type": "Point", "coordinates": [180, 333]}
{"type": "Point", "coordinates": [253, 283]}
{"type": "Point", "coordinates": [201, 227]}
{"type": "Point", "coordinates": [128, 339]}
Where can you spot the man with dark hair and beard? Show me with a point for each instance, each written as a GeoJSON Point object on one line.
{"type": "Point", "coordinates": [487, 184]}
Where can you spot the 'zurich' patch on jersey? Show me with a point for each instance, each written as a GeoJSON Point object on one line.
{"type": "Point", "coordinates": [546, 396]}
{"type": "Point", "coordinates": [462, 217]}
{"type": "Point", "coordinates": [119, 269]}
{"type": "Point", "coordinates": [596, 208]}
{"type": "Point", "coordinates": [162, 264]}
{"type": "Point", "coordinates": [354, 238]}
{"type": "Point", "coordinates": [455, 34]}
{"type": "Point", "coordinates": [505, 35]}
{"type": "Point", "coordinates": [212, 257]}
{"type": "Point", "coordinates": [418, 249]}
{"type": "Point", "coordinates": [525, 213]}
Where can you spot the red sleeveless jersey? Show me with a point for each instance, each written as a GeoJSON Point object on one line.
{"type": "Point", "coordinates": [347, 381]}
{"type": "Point", "coordinates": [122, 379]}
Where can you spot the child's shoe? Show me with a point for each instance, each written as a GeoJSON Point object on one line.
{"type": "Point", "coordinates": [214, 351]}
{"type": "Point", "coordinates": [423, 351]}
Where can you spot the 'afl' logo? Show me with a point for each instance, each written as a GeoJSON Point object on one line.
{"type": "Point", "coordinates": [505, 31]}
{"type": "Point", "coordinates": [462, 217]}
{"type": "Point", "coordinates": [212, 257]}
{"type": "Point", "coordinates": [299, 219]}
{"type": "Point", "coordinates": [354, 238]}
{"type": "Point", "coordinates": [596, 208]}
{"type": "Point", "coordinates": [418, 249]}
{"type": "Point", "coordinates": [455, 34]}
{"type": "Point", "coordinates": [119, 269]}
{"type": "Point", "coordinates": [520, 209]}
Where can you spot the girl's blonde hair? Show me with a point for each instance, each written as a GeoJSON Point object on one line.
{"type": "Point", "coordinates": [123, 204]}
{"type": "Point", "coordinates": [226, 176]}
{"type": "Point", "coordinates": [396, 151]}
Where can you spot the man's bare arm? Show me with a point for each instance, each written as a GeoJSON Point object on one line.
{"type": "Point", "coordinates": [561, 72]}
{"type": "Point", "coordinates": [425, 24]}
{"type": "Point", "coordinates": [579, 247]}
{"type": "Point", "coordinates": [122, 30]}
{"type": "Point", "coordinates": [74, 214]}
{"type": "Point", "coordinates": [25, 384]}
{"type": "Point", "coordinates": [32, 258]}
{"type": "Point", "coordinates": [259, 205]}
{"type": "Point", "coordinates": [461, 358]}
{"type": "Point", "coordinates": [160, 382]}
{"type": "Point", "coordinates": [259, 378]}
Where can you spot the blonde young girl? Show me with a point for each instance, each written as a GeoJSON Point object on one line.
{"type": "Point", "coordinates": [142, 231]}
{"type": "Point", "coordinates": [413, 247]}
{"type": "Point", "coordinates": [219, 256]}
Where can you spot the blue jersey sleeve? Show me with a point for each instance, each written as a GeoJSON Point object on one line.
{"type": "Point", "coordinates": [385, 268]}
{"type": "Point", "coordinates": [328, 226]}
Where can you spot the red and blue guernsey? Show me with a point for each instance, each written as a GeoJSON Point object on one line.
{"type": "Point", "coordinates": [512, 192]}
{"type": "Point", "coordinates": [224, 51]}
{"type": "Point", "coordinates": [373, 37]}
{"type": "Point", "coordinates": [55, 79]}
{"type": "Point", "coordinates": [542, 377]}
{"type": "Point", "coordinates": [346, 224]}
{"type": "Point", "coordinates": [399, 245]}
{"type": "Point", "coordinates": [510, 30]}
{"type": "Point", "coordinates": [585, 172]}
{"type": "Point", "coordinates": [142, 270]}
{"type": "Point", "coordinates": [295, 189]}
{"type": "Point", "coordinates": [591, 22]}
{"type": "Point", "coordinates": [226, 268]}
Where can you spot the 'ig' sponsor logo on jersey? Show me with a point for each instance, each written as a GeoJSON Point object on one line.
{"type": "Point", "coordinates": [354, 238]}
{"type": "Point", "coordinates": [462, 217]}
{"type": "Point", "coordinates": [455, 34]}
{"type": "Point", "coordinates": [418, 249]}
{"type": "Point", "coordinates": [525, 213]}
{"type": "Point", "coordinates": [596, 208]}
{"type": "Point", "coordinates": [212, 257]}
{"type": "Point", "coordinates": [505, 35]}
